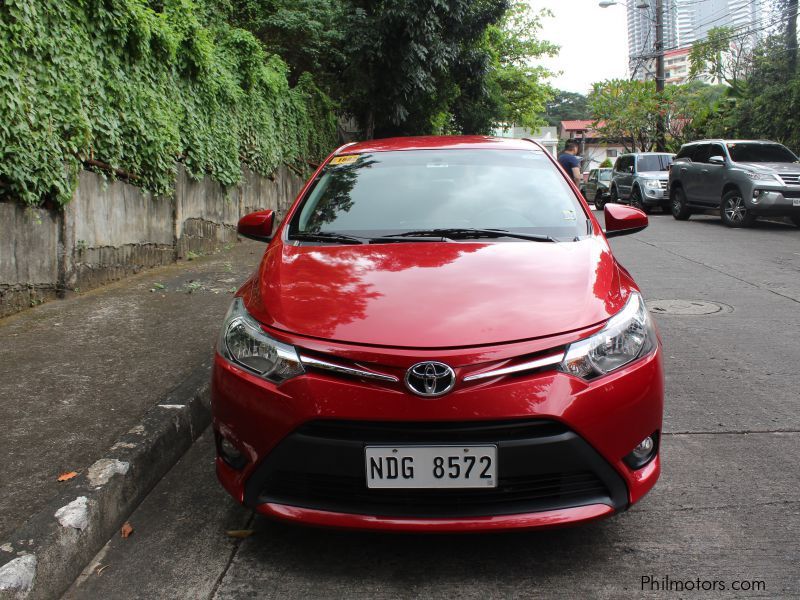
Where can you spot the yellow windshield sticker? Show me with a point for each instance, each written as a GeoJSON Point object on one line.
{"type": "Point", "coordinates": [344, 160]}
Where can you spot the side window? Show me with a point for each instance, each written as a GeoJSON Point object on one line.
{"type": "Point", "coordinates": [686, 152]}
{"type": "Point", "coordinates": [703, 153]}
{"type": "Point", "coordinates": [717, 150]}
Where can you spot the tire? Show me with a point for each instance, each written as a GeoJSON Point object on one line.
{"type": "Point", "coordinates": [637, 202]}
{"type": "Point", "coordinates": [613, 197]}
{"type": "Point", "coordinates": [680, 211]}
{"type": "Point", "coordinates": [795, 219]}
{"type": "Point", "coordinates": [733, 211]}
{"type": "Point", "coordinates": [599, 200]}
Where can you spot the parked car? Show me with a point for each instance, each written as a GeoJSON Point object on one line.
{"type": "Point", "coordinates": [596, 187]}
{"type": "Point", "coordinates": [640, 179]}
{"type": "Point", "coordinates": [438, 338]}
{"type": "Point", "coordinates": [743, 179]}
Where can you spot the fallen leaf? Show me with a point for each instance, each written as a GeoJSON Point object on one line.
{"type": "Point", "coordinates": [239, 533]}
{"type": "Point", "coordinates": [126, 530]}
{"type": "Point", "coordinates": [67, 476]}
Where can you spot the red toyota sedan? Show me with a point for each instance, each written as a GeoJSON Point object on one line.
{"type": "Point", "coordinates": [438, 338]}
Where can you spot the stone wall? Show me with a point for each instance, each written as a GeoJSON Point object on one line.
{"type": "Point", "coordinates": [111, 230]}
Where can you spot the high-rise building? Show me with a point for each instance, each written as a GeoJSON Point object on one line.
{"type": "Point", "coordinates": [697, 17]}
{"type": "Point", "coordinates": [642, 35]}
{"type": "Point", "coordinates": [685, 22]}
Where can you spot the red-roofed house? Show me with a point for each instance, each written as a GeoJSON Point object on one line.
{"type": "Point", "coordinates": [593, 148]}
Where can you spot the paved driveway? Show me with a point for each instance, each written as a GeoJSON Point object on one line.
{"type": "Point", "coordinates": [726, 511]}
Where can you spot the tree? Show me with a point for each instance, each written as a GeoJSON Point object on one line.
{"type": "Point", "coordinates": [625, 111]}
{"type": "Point", "coordinates": [686, 107]}
{"type": "Point", "coordinates": [401, 55]}
{"type": "Point", "coordinates": [566, 106]}
{"type": "Point", "coordinates": [520, 87]}
{"type": "Point", "coordinates": [307, 34]}
{"type": "Point", "coordinates": [725, 55]}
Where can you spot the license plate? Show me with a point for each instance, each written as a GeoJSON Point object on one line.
{"type": "Point", "coordinates": [795, 201]}
{"type": "Point", "coordinates": [431, 466]}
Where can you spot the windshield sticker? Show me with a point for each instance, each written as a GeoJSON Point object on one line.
{"type": "Point", "coordinates": [344, 160]}
{"type": "Point", "coordinates": [569, 215]}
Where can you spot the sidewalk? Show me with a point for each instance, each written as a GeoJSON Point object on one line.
{"type": "Point", "coordinates": [76, 374]}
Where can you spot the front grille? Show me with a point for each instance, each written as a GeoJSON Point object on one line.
{"type": "Point", "coordinates": [663, 183]}
{"type": "Point", "coordinates": [790, 178]}
{"type": "Point", "coordinates": [542, 465]}
{"type": "Point", "coordinates": [537, 492]}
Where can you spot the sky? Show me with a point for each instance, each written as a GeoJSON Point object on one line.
{"type": "Point", "coordinates": [593, 40]}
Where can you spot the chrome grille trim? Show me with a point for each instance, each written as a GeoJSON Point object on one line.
{"type": "Point", "coordinates": [547, 361]}
{"type": "Point", "coordinates": [790, 178]}
{"type": "Point", "coordinates": [336, 368]}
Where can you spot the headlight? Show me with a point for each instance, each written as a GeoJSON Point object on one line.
{"type": "Point", "coordinates": [244, 343]}
{"type": "Point", "coordinates": [760, 176]}
{"type": "Point", "coordinates": [652, 184]}
{"type": "Point", "coordinates": [627, 335]}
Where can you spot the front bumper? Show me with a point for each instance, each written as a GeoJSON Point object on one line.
{"type": "Point", "coordinates": [560, 441]}
{"type": "Point", "coordinates": [655, 197]}
{"type": "Point", "coordinates": [783, 203]}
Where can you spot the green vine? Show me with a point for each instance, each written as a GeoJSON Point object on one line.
{"type": "Point", "coordinates": [139, 86]}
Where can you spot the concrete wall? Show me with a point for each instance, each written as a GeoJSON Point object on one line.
{"type": "Point", "coordinates": [29, 256]}
{"type": "Point", "coordinates": [111, 230]}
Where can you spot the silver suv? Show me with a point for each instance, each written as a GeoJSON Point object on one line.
{"type": "Point", "coordinates": [742, 179]}
{"type": "Point", "coordinates": [640, 180]}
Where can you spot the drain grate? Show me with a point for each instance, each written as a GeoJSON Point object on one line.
{"type": "Point", "coordinates": [687, 307]}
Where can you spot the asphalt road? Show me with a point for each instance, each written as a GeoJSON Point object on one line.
{"type": "Point", "coordinates": [726, 510]}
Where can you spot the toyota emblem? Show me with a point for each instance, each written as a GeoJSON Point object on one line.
{"type": "Point", "coordinates": [430, 379]}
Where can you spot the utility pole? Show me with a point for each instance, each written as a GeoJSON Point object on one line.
{"type": "Point", "coordinates": [661, 144]}
{"type": "Point", "coordinates": [791, 35]}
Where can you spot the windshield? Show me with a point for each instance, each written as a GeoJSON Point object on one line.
{"type": "Point", "coordinates": [605, 175]}
{"type": "Point", "coordinates": [768, 153]}
{"type": "Point", "coordinates": [390, 193]}
{"type": "Point", "coordinates": [655, 162]}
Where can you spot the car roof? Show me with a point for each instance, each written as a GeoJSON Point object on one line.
{"type": "Point", "coordinates": [647, 153]}
{"type": "Point", "coordinates": [436, 142]}
{"type": "Point", "coordinates": [721, 141]}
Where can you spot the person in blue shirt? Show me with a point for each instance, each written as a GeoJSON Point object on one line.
{"type": "Point", "coordinates": [571, 163]}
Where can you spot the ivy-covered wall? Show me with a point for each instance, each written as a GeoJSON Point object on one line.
{"type": "Point", "coordinates": [141, 86]}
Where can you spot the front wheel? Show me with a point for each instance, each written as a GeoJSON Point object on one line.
{"type": "Point", "coordinates": [613, 196]}
{"type": "Point", "coordinates": [795, 219]}
{"type": "Point", "coordinates": [733, 211]}
{"type": "Point", "coordinates": [638, 202]}
{"type": "Point", "coordinates": [680, 211]}
{"type": "Point", "coordinates": [599, 200]}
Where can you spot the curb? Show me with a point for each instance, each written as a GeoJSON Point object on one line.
{"type": "Point", "coordinates": [45, 555]}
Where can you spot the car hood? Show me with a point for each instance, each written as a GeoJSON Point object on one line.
{"type": "Point", "coordinates": [774, 167]}
{"type": "Point", "coordinates": [654, 175]}
{"type": "Point", "coordinates": [436, 294]}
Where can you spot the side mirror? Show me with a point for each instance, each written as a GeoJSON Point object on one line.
{"type": "Point", "coordinates": [622, 220]}
{"type": "Point", "coordinates": [257, 226]}
{"type": "Point", "coordinates": [717, 160]}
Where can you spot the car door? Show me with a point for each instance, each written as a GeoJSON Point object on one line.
{"type": "Point", "coordinates": [691, 176]}
{"type": "Point", "coordinates": [591, 185]}
{"type": "Point", "coordinates": [711, 176]}
{"type": "Point", "coordinates": [624, 176]}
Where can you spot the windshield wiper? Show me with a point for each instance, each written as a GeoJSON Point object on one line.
{"type": "Point", "coordinates": [468, 232]}
{"type": "Point", "coordinates": [326, 236]}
